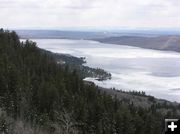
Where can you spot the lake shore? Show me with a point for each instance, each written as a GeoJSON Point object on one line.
{"type": "Point", "coordinates": [132, 68]}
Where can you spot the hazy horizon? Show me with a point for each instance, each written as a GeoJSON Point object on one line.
{"type": "Point", "coordinates": [96, 29]}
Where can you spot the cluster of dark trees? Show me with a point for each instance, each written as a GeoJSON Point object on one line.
{"type": "Point", "coordinates": [75, 63]}
{"type": "Point", "coordinates": [44, 96]}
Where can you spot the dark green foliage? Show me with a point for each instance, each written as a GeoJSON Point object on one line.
{"type": "Point", "coordinates": [37, 90]}
{"type": "Point", "coordinates": [77, 64]}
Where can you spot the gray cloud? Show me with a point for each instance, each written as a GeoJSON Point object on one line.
{"type": "Point", "coordinates": [89, 13]}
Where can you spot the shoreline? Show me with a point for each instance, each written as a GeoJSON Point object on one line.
{"type": "Point", "coordinates": [120, 87]}
{"type": "Point", "coordinates": [138, 98]}
{"type": "Point", "coordinates": [95, 40]}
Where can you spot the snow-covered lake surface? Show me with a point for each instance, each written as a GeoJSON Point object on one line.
{"type": "Point", "coordinates": [155, 72]}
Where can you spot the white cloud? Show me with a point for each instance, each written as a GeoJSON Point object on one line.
{"type": "Point", "coordinates": [90, 13]}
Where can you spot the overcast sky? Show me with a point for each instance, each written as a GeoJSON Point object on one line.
{"type": "Point", "coordinates": [90, 14]}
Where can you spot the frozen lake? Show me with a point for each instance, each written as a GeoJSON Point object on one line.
{"type": "Point", "coordinates": [155, 72]}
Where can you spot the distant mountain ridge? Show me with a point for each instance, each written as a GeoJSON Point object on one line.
{"type": "Point", "coordinates": [57, 34]}
{"type": "Point", "coordinates": [150, 40]}
{"type": "Point", "coordinates": [88, 35]}
{"type": "Point", "coordinates": [167, 42]}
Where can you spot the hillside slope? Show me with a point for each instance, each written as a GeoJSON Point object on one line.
{"type": "Point", "coordinates": [171, 42]}
{"type": "Point", "coordinates": [39, 96]}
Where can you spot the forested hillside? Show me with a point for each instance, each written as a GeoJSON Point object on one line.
{"type": "Point", "coordinates": [39, 96]}
{"type": "Point", "coordinates": [166, 42]}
